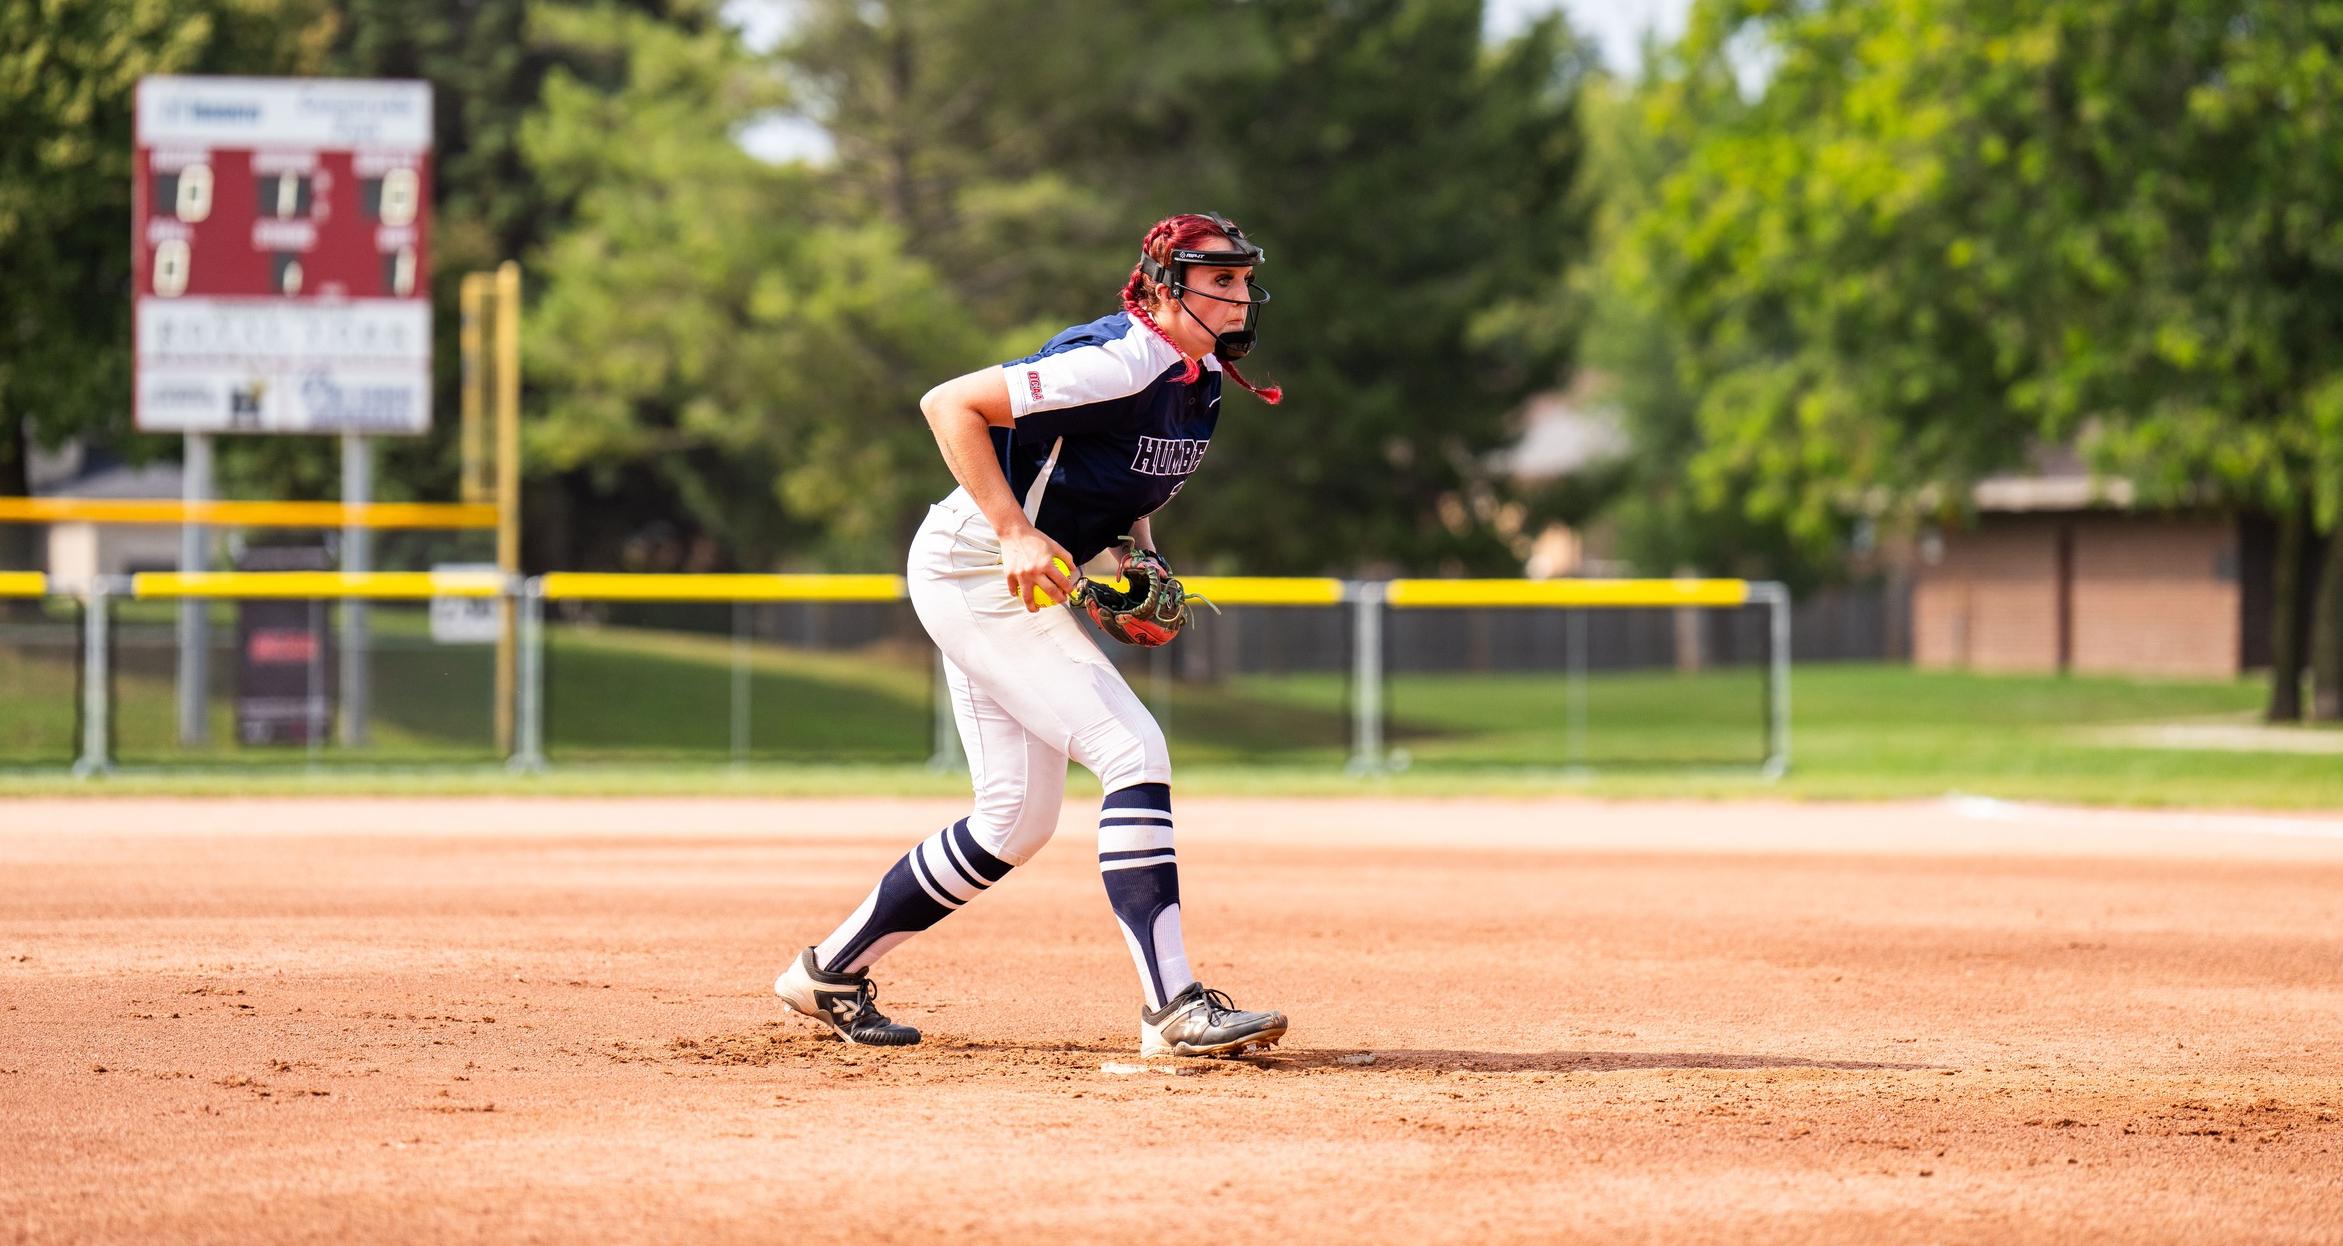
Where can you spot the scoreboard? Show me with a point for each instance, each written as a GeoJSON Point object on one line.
{"type": "Point", "coordinates": [280, 245]}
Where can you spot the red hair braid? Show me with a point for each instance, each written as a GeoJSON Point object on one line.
{"type": "Point", "coordinates": [1184, 232]}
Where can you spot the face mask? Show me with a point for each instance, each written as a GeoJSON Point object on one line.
{"type": "Point", "coordinates": [1235, 343]}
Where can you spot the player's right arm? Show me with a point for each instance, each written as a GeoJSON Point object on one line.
{"type": "Point", "coordinates": [962, 412]}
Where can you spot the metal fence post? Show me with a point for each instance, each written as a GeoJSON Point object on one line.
{"type": "Point", "coordinates": [948, 754]}
{"type": "Point", "coordinates": [194, 689]}
{"type": "Point", "coordinates": [1777, 680]}
{"type": "Point", "coordinates": [1367, 753]}
{"type": "Point", "coordinates": [1577, 663]}
{"type": "Point", "coordinates": [357, 558]}
{"type": "Point", "coordinates": [95, 678]}
{"type": "Point", "coordinates": [529, 734]}
{"type": "Point", "coordinates": [1159, 685]}
{"type": "Point", "coordinates": [315, 721]}
{"type": "Point", "coordinates": [740, 682]}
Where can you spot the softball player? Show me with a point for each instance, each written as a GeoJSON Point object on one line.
{"type": "Point", "coordinates": [1060, 455]}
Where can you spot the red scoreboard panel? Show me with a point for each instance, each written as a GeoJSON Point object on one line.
{"type": "Point", "coordinates": [280, 232]}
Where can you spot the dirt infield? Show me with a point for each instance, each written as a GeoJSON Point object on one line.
{"type": "Point", "coordinates": [515, 1020]}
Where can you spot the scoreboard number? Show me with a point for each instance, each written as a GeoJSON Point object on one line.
{"type": "Point", "coordinates": [193, 202]}
{"type": "Point", "coordinates": [398, 272]}
{"type": "Point", "coordinates": [290, 191]}
{"type": "Point", "coordinates": [285, 273]}
{"type": "Point", "coordinates": [399, 197]}
{"type": "Point", "coordinates": [171, 263]}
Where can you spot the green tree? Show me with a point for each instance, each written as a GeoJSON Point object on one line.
{"type": "Point", "coordinates": [487, 63]}
{"type": "Point", "coordinates": [1941, 230]}
{"type": "Point", "coordinates": [1664, 522]}
{"type": "Point", "coordinates": [1414, 188]}
{"type": "Point", "coordinates": [725, 330]}
{"type": "Point", "coordinates": [704, 329]}
{"type": "Point", "coordinates": [67, 76]}
{"type": "Point", "coordinates": [1411, 186]}
{"type": "Point", "coordinates": [2225, 340]}
{"type": "Point", "coordinates": [68, 71]}
{"type": "Point", "coordinates": [1018, 164]}
{"type": "Point", "coordinates": [1803, 245]}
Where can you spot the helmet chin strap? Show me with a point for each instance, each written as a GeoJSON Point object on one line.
{"type": "Point", "coordinates": [1228, 344]}
{"type": "Point", "coordinates": [1171, 279]}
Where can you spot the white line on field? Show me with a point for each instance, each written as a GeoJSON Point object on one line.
{"type": "Point", "coordinates": [1989, 809]}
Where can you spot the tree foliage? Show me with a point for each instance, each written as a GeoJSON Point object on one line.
{"type": "Point", "coordinates": [754, 340]}
{"type": "Point", "coordinates": [1901, 242]}
{"type": "Point", "coordinates": [68, 73]}
{"type": "Point", "coordinates": [487, 68]}
{"type": "Point", "coordinates": [737, 348]}
{"type": "Point", "coordinates": [726, 327]}
{"type": "Point", "coordinates": [1414, 189]}
{"type": "Point", "coordinates": [1663, 520]}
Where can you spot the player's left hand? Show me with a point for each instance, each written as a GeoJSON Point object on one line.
{"type": "Point", "coordinates": [1145, 561]}
{"type": "Point", "coordinates": [1151, 611]}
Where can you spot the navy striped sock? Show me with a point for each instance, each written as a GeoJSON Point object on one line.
{"type": "Point", "coordinates": [1143, 885]}
{"type": "Point", "coordinates": [945, 871]}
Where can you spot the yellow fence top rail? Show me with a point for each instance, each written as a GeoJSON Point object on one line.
{"type": "Point", "coordinates": [23, 584]}
{"type": "Point", "coordinates": [167, 511]}
{"type": "Point", "coordinates": [1229, 590]}
{"type": "Point", "coordinates": [1264, 590]}
{"type": "Point", "coordinates": [597, 586]}
{"type": "Point", "coordinates": [380, 585]}
{"type": "Point", "coordinates": [1567, 592]}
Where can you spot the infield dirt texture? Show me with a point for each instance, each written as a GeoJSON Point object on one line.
{"type": "Point", "coordinates": [541, 1020]}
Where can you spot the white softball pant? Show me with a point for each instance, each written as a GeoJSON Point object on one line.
{"type": "Point", "coordinates": [1028, 690]}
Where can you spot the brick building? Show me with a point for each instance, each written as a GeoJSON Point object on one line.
{"type": "Point", "coordinates": [2062, 573]}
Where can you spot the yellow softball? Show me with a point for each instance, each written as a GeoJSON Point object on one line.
{"type": "Point", "coordinates": [1040, 594]}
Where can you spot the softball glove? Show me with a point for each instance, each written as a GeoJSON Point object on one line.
{"type": "Point", "coordinates": [1150, 612]}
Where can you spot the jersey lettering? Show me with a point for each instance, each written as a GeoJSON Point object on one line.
{"type": "Point", "coordinates": [1105, 431]}
{"type": "Point", "coordinates": [1166, 456]}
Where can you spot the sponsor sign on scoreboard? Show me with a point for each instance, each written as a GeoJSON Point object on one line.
{"type": "Point", "coordinates": [280, 247]}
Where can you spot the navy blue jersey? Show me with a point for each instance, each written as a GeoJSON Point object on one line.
{"type": "Point", "coordinates": [1105, 432]}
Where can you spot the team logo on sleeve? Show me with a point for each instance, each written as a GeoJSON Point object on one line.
{"type": "Point", "coordinates": [1033, 383]}
{"type": "Point", "coordinates": [1165, 456]}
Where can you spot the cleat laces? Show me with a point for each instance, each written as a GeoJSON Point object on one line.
{"type": "Point", "coordinates": [863, 1005]}
{"type": "Point", "coordinates": [1217, 1005]}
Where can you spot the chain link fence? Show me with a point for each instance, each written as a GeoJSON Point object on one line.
{"type": "Point", "coordinates": [409, 668]}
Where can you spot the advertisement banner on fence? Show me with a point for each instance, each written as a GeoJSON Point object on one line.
{"type": "Point", "coordinates": [466, 620]}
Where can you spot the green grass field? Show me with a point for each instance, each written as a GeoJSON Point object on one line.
{"type": "Point", "coordinates": [651, 711]}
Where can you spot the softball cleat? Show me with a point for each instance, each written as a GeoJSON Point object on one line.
{"type": "Point", "coordinates": [846, 1002]}
{"type": "Point", "coordinates": [1200, 1022]}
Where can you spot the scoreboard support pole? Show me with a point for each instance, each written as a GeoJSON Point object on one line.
{"type": "Point", "coordinates": [194, 623]}
{"type": "Point", "coordinates": [357, 559]}
{"type": "Point", "coordinates": [508, 491]}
